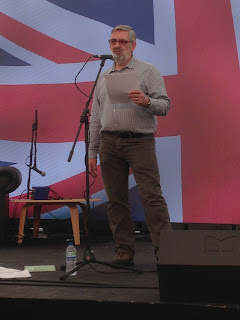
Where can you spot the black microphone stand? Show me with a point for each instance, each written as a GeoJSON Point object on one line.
{"type": "Point", "coordinates": [33, 142]}
{"type": "Point", "coordinates": [89, 256]}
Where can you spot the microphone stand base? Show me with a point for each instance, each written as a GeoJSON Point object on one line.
{"type": "Point", "coordinates": [91, 259]}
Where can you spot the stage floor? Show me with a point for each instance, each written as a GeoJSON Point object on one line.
{"type": "Point", "coordinates": [96, 286]}
{"type": "Point", "coordinates": [93, 281]}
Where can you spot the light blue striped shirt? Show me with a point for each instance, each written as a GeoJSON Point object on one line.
{"type": "Point", "coordinates": [130, 116]}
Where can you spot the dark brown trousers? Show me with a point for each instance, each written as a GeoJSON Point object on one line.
{"type": "Point", "coordinates": [117, 156]}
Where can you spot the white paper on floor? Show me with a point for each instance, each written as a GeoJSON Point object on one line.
{"type": "Point", "coordinates": [7, 273]}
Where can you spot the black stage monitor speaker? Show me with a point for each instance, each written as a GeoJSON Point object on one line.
{"type": "Point", "coordinates": [199, 265]}
{"type": "Point", "coordinates": [10, 180]}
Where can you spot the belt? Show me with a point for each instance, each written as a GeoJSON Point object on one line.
{"type": "Point", "coordinates": [127, 134]}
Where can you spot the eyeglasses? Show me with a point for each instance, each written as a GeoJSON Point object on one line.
{"type": "Point", "coordinates": [121, 41]}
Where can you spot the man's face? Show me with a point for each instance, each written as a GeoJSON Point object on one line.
{"type": "Point", "coordinates": [121, 46]}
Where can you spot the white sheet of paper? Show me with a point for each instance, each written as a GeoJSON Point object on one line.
{"type": "Point", "coordinates": [118, 86]}
{"type": "Point", "coordinates": [7, 273]}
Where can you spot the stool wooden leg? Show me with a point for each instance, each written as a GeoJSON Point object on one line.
{"type": "Point", "coordinates": [75, 223]}
{"type": "Point", "coordinates": [22, 219]}
{"type": "Point", "coordinates": [36, 220]}
{"type": "Point", "coordinates": [85, 216]}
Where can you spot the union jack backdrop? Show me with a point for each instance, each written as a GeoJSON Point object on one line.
{"type": "Point", "coordinates": [195, 44]}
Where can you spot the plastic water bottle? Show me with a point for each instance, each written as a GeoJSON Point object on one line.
{"type": "Point", "coordinates": [71, 258]}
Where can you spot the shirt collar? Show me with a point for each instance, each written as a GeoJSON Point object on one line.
{"type": "Point", "coordinates": [130, 65]}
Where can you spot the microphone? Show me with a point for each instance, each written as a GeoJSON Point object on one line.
{"type": "Point", "coordinates": [42, 173]}
{"type": "Point", "coordinates": [112, 56]}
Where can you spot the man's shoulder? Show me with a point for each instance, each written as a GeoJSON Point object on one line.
{"type": "Point", "coordinates": [145, 65]}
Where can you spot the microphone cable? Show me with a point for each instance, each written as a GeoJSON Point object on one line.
{"type": "Point", "coordinates": [75, 80]}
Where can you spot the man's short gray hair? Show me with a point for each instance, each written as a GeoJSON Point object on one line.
{"type": "Point", "coordinates": [123, 27]}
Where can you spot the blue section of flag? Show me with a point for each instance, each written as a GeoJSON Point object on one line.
{"type": "Point", "coordinates": [6, 164]}
{"type": "Point", "coordinates": [6, 59]}
{"type": "Point", "coordinates": [137, 14]}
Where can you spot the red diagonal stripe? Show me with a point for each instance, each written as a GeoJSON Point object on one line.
{"type": "Point", "coordinates": [39, 43]}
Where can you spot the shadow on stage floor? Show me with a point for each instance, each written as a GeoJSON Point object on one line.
{"type": "Point", "coordinates": [97, 290]}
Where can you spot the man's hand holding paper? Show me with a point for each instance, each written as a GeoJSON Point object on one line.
{"type": "Point", "coordinates": [119, 85]}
